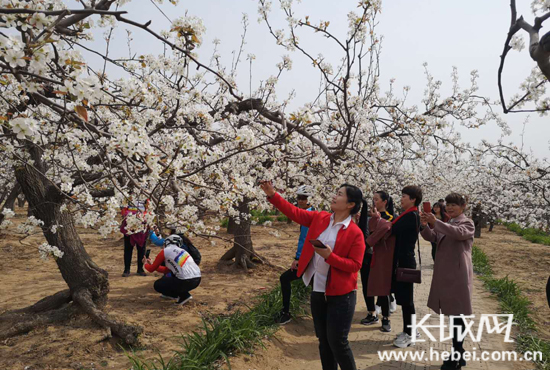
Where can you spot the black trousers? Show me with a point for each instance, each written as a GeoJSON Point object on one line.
{"type": "Point", "coordinates": [171, 286]}
{"type": "Point", "coordinates": [408, 311]}
{"type": "Point", "coordinates": [128, 249]}
{"type": "Point", "coordinates": [332, 317]}
{"type": "Point", "coordinates": [286, 278]}
{"type": "Point", "coordinates": [383, 302]}
{"type": "Point", "coordinates": [459, 325]}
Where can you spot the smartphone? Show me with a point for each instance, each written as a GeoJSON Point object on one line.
{"type": "Point", "coordinates": [427, 207]}
{"type": "Point", "coordinates": [317, 243]}
{"type": "Point", "coordinates": [147, 253]}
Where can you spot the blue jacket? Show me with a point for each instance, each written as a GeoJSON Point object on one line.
{"type": "Point", "coordinates": [302, 238]}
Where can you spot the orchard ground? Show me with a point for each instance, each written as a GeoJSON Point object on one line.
{"type": "Point", "coordinates": [77, 344]}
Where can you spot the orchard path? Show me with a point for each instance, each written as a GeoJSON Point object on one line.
{"type": "Point", "coordinates": [295, 346]}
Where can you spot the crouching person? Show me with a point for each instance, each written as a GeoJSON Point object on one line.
{"type": "Point", "coordinates": [181, 273]}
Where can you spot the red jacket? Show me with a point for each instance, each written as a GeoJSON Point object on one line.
{"type": "Point", "coordinates": [347, 255]}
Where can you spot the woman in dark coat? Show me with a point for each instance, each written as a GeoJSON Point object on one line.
{"type": "Point", "coordinates": [405, 229]}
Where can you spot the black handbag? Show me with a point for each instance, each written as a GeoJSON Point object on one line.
{"type": "Point", "coordinates": [408, 275]}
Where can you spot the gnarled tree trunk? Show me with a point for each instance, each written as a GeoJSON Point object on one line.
{"type": "Point", "coordinates": [10, 199]}
{"type": "Point", "coordinates": [242, 251]}
{"type": "Point", "coordinates": [88, 283]}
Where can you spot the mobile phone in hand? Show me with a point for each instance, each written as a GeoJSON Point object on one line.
{"type": "Point", "coordinates": [317, 244]}
{"type": "Point", "coordinates": [147, 253]}
{"type": "Point", "coordinates": [427, 207]}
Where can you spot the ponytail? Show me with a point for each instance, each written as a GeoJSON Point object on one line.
{"type": "Point", "coordinates": [385, 197]}
{"type": "Point", "coordinates": [364, 217]}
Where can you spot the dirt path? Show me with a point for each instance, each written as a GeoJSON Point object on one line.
{"type": "Point", "coordinates": [295, 346]}
{"type": "Point", "coordinates": [525, 262]}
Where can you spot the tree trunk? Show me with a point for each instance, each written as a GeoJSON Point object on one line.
{"type": "Point", "coordinates": [88, 283]}
{"type": "Point", "coordinates": [242, 251]}
{"type": "Point", "coordinates": [231, 225]}
{"type": "Point", "coordinates": [10, 200]}
{"type": "Point", "coordinates": [476, 217]}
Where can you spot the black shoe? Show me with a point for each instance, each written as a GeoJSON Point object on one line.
{"type": "Point", "coordinates": [452, 365]}
{"type": "Point", "coordinates": [141, 273]}
{"type": "Point", "coordinates": [369, 320]}
{"type": "Point", "coordinates": [283, 318]}
{"type": "Point", "coordinates": [126, 274]}
{"type": "Point", "coordinates": [386, 326]}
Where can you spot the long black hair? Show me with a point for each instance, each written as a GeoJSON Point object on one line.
{"type": "Point", "coordinates": [385, 197]}
{"type": "Point", "coordinates": [355, 195]}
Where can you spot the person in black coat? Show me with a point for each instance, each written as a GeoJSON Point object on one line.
{"type": "Point", "coordinates": [406, 228]}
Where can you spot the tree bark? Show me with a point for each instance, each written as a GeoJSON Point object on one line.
{"type": "Point", "coordinates": [10, 200]}
{"type": "Point", "coordinates": [231, 225]}
{"type": "Point", "coordinates": [88, 283]}
{"type": "Point", "coordinates": [243, 250]}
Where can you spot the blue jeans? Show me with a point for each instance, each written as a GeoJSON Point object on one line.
{"type": "Point", "coordinates": [332, 317]}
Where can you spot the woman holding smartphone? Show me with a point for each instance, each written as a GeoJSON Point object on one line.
{"type": "Point", "coordinates": [451, 289]}
{"type": "Point", "coordinates": [332, 266]}
{"type": "Point", "coordinates": [376, 272]}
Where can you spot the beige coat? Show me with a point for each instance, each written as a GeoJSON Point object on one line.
{"type": "Point", "coordinates": [451, 289]}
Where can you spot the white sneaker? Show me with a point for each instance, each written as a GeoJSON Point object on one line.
{"type": "Point", "coordinates": [393, 306]}
{"type": "Point", "coordinates": [403, 333]}
{"type": "Point", "coordinates": [403, 341]}
{"type": "Point", "coordinates": [167, 297]}
{"type": "Point", "coordinates": [181, 301]}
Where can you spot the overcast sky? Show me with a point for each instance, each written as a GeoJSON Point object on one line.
{"type": "Point", "coordinates": [468, 34]}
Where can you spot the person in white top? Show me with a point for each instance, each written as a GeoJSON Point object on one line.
{"type": "Point", "coordinates": [181, 273]}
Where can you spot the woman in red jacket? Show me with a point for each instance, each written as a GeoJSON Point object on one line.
{"type": "Point", "coordinates": [333, 269]}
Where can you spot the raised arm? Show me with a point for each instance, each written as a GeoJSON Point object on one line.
{"type": "Point", "coordinates": [298, 215]}
{"type": "Point", "coordinates": [464, 231]}
{"type": "Point", "coordinates": [156, 240]}
{"type": "Point", "coordinates": [428, 234]}
{"type": "Point", "coordinates": [353, 262]}
{"type": "Point", "coordinates": [379, 228]}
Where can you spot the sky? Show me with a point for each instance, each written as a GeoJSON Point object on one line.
{"type": "Point", "coordinates": [468, 34]}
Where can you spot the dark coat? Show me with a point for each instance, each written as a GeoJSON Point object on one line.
{"type": "Point", "coordinates": [405, 231]}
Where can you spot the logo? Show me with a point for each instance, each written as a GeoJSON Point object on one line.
{"type": "Point", "coordinates": [488, 323]}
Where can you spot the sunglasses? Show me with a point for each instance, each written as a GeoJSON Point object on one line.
{"type": "Point", "coordinates": [302, 197]}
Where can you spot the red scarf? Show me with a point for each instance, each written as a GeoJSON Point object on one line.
{"type": "Point", "coordinates": [412, 209]}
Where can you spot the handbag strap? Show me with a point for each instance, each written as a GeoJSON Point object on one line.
{"type": "Point", "coordinates": [418, 240]}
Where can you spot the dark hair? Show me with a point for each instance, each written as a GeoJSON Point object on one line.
{"type": "Point", "coordinates": [456, 198]}
{"type": "Point", "coordinates": [414, 192]}
{"type": "Point", "coordinates": [385, 197]}
{"type": "Point", "coordinates": [355, 195]}
{"type": "Point", "coordinates": [440, 201]}
{"type": "Point", "coordinates": [442, 208]}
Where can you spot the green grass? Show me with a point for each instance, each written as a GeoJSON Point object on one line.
{"type": "Point", "coordinates": [533, 235]}
{"type": "Point", "coordinates": [226, 335]}
{"type": "Point", "coordinates": [512, 301]}
{"type": "Point", "coordinates": [282, 218]}
{"type": "Point", "coordinates": [224, 222]}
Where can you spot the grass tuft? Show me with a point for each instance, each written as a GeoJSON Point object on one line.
{"type": "Point", "coordinates": [513, 302]}
{"type": "Point", "coordinates": [221, 337]}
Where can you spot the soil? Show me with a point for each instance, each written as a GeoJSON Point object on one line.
{"type": "Point", "coordinates": [77, 344]}
{"type": "Point", "coordinates": [526, 263]}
